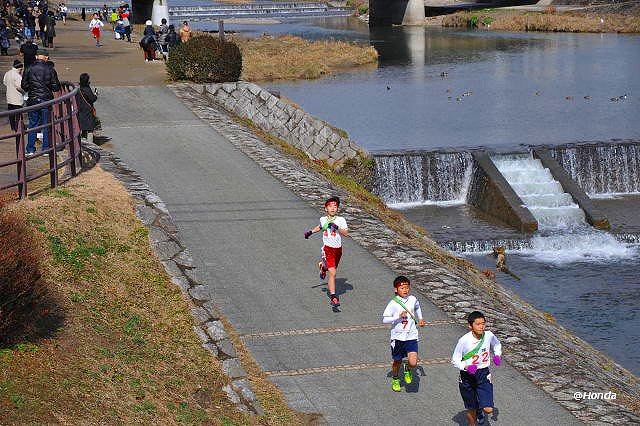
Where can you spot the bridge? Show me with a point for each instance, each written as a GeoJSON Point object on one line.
{"type": "Point", "coordinates": [384, 13]}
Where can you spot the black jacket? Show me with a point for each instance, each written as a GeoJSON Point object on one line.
{"type": "Point", "coordinates": [172, 39]}
{"type": "Point", "coordinates": [40, 81]}
{"type": "Point", "coordinates": [85, 99]}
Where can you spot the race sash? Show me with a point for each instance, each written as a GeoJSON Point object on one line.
{"type": "Point", "coordinates": [399, 302]}
{"type": "Point", "coordinates": [473, 351]}
{"type": "Point", "coordinates": [326, 225]}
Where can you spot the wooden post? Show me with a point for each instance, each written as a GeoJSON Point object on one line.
{"type": "Point", "coordinates": [221, 29]}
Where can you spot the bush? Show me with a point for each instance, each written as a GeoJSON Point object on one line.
{"type": "Point", "coordinates": [205, 59]}
{"type": "Point", "coordinates": [26, 306]}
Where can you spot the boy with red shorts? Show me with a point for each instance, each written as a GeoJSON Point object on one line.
{"type": "Point", "coordinates": [333, 227]}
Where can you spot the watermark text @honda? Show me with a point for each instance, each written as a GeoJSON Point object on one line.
{"type": "Point", "coordinates": [594, 395]}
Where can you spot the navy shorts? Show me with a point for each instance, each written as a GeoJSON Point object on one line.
{"type": "Point", "coordinates": [400, 348]}
{"type": "Point", "coordinates": [476, 389]}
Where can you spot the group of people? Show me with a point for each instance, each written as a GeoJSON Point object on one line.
{"type": "Point", "coordinates": [163, 39]}
{"type": "Point", "coordinates": [119, 19]}
{"type": "Point", "coordinates": [22, 21]}
{"type": "Point", "coordinates": [472, 353]}
{"type": "Point", "coordinates": [34, 80]}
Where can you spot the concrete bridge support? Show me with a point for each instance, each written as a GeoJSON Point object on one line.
{"type": "Point", "coordinates": [150, 9]}
{"type": "Point", "coordinates": [396, 12]}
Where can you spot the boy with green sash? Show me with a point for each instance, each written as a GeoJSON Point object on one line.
{"type": "Point", "coordinates": [471, 357]}
{"type": "Point", "coordinates": [404, 314]}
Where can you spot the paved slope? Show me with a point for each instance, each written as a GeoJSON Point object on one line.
{"type": "Point", "coordinates": [244, 229]}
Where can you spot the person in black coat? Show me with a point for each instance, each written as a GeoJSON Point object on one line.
{"type": "Point", "coordinates": [85, 98]}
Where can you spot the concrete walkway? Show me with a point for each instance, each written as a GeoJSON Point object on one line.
{"type": "Point", "coordinates": [244, 229]}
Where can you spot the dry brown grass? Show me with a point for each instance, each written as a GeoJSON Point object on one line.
{"type": "Point", "coordinates": [289, 57]}
{"type": "Point", "coordinates": [549, 21]}
{"type": "Point", "coordinates": [126, 353]}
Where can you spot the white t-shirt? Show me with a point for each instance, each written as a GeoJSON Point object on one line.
{"type": "Point", "coordinates": [401, 330]}
{"type": "Point", "coordinates": [332, 238]}
{"type": "Point", "coordinates": [468, 342]}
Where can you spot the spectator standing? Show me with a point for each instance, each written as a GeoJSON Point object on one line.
{"type": "Point", "coordinates": [148, 42]}
{"type": "Point", "coordinates": [29, 24]}
{"type": "Point", "coordinates": [29, 50]}
{"type": "Point", "coordinates": [185, 32]}
{"type": "Point", "coordinates": [127, 26]}
{"type": "Point", "coordinates": [113, 18]}
{"type": "Point", "coordinates": [96, 28]}
{"type": "Point", "coordinates": [85, 98]}
{"type": "Point", "coordinates": [4, 38]}
{"type": "Point", "coordinates": [163, 30]}
{"type": "Point", "coordinates": [42, 24]}
{"type": "Point", "coordinates": [83, 14]}
{"type": "Point", "coordinates": [50, 30]}
{"type": "Point", "coordinates": [13, 79]}
{"type": "Point", "coordinates": [171, 39]}
{"type": "Point", "coordinates": [40, 81]}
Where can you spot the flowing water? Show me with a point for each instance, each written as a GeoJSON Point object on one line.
{"type": "Point", "coordinates": [506, 91]}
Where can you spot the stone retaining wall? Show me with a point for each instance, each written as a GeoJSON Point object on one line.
{"type": "Point", "coordinates": [313, 136]}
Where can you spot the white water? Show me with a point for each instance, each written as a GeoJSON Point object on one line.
{"type": "Point", "coordinates": [564, 235]}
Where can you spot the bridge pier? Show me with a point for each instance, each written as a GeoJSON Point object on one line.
{"type": "Point", "coordinates": [160, 11]}
{"type": "Point", "coordinates": [384, 13]}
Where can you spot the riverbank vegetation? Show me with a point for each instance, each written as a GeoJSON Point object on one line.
{"type": "Point", "coordinates": [291, 58]}
{"type": "Point", "coordinates": [121, 349]}
{"type": "Point", "coordinates": [550, 20]}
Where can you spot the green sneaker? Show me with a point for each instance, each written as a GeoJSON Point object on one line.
{"type": "Point", "coordinates": [408, 376]}
{"type": "Point", "coordinates": [395, 385]}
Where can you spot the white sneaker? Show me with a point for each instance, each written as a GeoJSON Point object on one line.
{"type": "Point", "coordinates": [29, 154]}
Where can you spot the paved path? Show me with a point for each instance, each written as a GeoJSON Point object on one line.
{"type": "Point", "coordinates": [244, 229]}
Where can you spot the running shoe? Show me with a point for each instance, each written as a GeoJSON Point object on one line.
{"type": "Point", "coordinates": [408, 375]}
{"type": "Point", "coordinates": [480, 416]}
{"type": "Point", "coordinates": [335, 302]}
{"type": "Point", "coordinates": [395, 384]}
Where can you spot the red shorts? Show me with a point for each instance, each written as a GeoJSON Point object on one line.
{"type": "Point", "coordinates": [95, 31]}
{"type": "Point", "coordinates": [331, 255]}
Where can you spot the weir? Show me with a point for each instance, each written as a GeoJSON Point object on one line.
{"type": "Point", "coordinates": [552, 184]}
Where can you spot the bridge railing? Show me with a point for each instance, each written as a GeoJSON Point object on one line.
{"type": "Point", "coordinates": [64, 135]}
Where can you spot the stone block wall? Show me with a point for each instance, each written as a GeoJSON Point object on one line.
{"type": "Point", "coordinates": [313, 136]}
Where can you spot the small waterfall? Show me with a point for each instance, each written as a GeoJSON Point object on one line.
{"type": "Point", "coordinates": [599, 169]}
{"type": "Point", "coordinates": [404, 180]}
{"type": "Point", "coordinates": [544, 197]}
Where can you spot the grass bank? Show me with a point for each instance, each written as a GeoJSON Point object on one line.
{"type": "Point", "coordinates": [290, 58]}
{"type": "Point", "coordinates": [550, 21]}
{"type": "Point", "coordinates": [125, 352]}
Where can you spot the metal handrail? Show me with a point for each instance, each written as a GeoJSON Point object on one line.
{"type": "Point", "coordinates": [64, 132]}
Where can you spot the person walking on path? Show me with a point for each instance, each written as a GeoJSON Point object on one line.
{"type": "Point", "coordinates": [404, 314]}
{"type": "Point", "coordinates": [13, 79]}
{"type": "Point", "coordinates": [332, 227]}
{"type": "Point", "coordinates": [50, 30]}
{"type": "Point", "coordinates": [185, 32]}
{"type": "Point", "coordinates": [4, 38]}
{"type": "Point", "coordinates": [96, 28]}
{"type": "Point", "coordinates": [40, 81]}
{"type": "Point", "coordinates": [63, 13]}
{"type": "Point", "coordinates": [471, 357]}
{"type": "Point", "coordinates": [85, 98]}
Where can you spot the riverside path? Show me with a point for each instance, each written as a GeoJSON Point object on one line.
{"type": "Point", "coordinates": [244, 229]}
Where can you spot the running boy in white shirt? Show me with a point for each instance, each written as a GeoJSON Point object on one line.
{"type": "Point", "coordinates": [332, 227]}
{"type": "Point", "coordinates": [404, 314]}
{"type": "Point", "coordinates": [471, 357]}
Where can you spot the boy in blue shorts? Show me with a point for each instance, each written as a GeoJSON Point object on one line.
{"type": "Point", "coordinates": [471, 357]}
{"type": "Point", "coordinates": [404, 314]}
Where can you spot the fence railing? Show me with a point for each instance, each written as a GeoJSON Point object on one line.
{"type": "Point", "coordinates": [63, 134]}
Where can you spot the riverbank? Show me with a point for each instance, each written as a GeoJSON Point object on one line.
{"type": "Point", "coordinates": [291, 58]}
{"type": "Point", "coordinates": [549, 20]}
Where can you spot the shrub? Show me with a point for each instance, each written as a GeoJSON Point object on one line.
{"type": "Point", "coordinates": [473, 22]}
{"type": "Point", "coordinates": [205, 59]}
{"type": "Point", "coordinates": [26, 306]}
